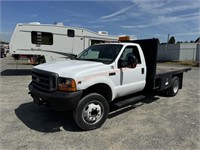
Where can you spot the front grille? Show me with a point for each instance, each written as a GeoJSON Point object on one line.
{"type": "Point", "coordinates": [44, 80]}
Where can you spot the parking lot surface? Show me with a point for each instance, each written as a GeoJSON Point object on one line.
{"type": "Point", "coordinates": [168, 123]}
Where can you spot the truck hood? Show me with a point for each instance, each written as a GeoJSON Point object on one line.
{"type": "Point", "coordinates": [73, 68]}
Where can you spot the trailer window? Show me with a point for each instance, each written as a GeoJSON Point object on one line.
{"type": "Point", "coordinates": [70, 33]}
{"type": "Point", "coordinates": [97, 42]}
{"type": "Point", "coordinates": [41, 38]}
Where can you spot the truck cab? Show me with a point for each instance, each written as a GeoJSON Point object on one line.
{"type": "Point", "coordinates": [116, 67]}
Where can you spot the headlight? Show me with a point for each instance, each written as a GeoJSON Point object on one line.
{"type": "Point", "coordinates": [67, 84]}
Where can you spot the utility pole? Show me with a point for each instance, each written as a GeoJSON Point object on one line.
{"type": "Point", "coordinates": [167, 42]}
{"type": "Point", "coordinates": [168, 38]}
{"type": "Point", "coordinates": [166, 47]}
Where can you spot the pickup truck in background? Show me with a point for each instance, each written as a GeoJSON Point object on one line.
{"type": "Point", "coordinates": [101, 75]}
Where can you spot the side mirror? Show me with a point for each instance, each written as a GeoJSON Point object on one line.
{"type": "Point", "coordinates": [132, 62]}
{"type": "Point", "coordinates": [120, 63]}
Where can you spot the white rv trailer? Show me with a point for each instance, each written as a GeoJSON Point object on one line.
{"type": "Point", "coordinates": [53, 42]}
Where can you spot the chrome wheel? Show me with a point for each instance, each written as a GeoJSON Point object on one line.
{"type": "Point", "coordinates": [176, 86]}
{"type": "Point", "coordinates": [92, 112]}
{"type": "Point", "coordinates": [173, 90]}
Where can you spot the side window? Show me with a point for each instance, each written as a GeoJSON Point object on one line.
{"type": "Point", "coordinates": [136, 54]}
{"type": "Point", "coordinates": [41, 38]}
{"type": "Point", "coordinates": [129, 51]}
{"type": "Point", "coordinates": [126, 53]}
{"type": "Point", "coordinates": [70, 33]}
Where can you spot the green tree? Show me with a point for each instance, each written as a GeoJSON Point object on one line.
{"type": "Point", "coordinates": [172, 40]}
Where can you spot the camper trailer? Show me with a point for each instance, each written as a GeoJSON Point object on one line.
{"type": "Point", "coordinates": [46, 43]}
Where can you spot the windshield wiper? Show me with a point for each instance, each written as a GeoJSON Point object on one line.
{"type": "Point", "coordinates": [90, 59]}
{"type": "Point", "coordinates": [71, 56]}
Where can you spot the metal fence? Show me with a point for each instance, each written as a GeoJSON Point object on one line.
{"type": "Point", "coordinates": [179, 52]}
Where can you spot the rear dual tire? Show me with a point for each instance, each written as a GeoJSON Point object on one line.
{"type": "Point", "coordinates": [173, 90]}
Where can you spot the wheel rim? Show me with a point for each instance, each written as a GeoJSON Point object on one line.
{"type": "Point", "coordinates": [92, 112]}
{"type": "Point", "coordinates": [176, 86]}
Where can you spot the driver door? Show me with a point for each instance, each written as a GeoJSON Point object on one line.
{"type": "Point", "coordinates": [131, 79]}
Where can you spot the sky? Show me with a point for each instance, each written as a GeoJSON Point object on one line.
{"type": "Point", "coordinates": [140, 18]}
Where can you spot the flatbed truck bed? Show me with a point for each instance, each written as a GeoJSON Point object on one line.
{"type": "Point", "coordinates": [163, 70]}
{"type": "Point", "coordinates": [164, 76]}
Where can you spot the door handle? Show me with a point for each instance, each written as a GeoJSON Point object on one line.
{"type": "Point", "coordinates": [112, 74]}
{"type": "Point", "coordinates": [142, 71]}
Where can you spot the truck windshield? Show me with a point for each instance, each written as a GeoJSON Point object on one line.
{"type": "Point", "coordinates": [105, 53]}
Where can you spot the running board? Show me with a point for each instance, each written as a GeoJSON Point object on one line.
{"type": "Point", "coordinates": [129, 101]}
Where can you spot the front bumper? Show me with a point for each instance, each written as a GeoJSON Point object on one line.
{"type": "Point", "coordinates": [61, 101]}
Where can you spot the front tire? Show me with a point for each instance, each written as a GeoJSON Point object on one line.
{"type": "Point", "coordinates": [91, 112]}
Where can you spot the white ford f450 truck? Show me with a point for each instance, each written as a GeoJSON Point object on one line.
{"type": "Point", "coordinates": [102, 75]}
